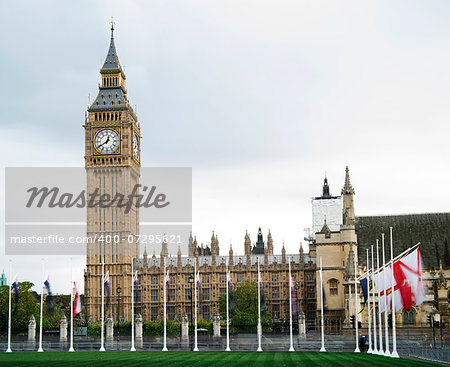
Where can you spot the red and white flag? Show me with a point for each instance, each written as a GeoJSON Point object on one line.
{"type": "Point", "coordinates": [77, 305]}
{"type": "Point", "coordinates": [408, 284]}
{"type": "Point", "coordinates": [408, 275]}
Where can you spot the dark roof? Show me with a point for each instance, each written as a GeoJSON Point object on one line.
{"type": "Point", "coordinates": [112, 64]}
{"type": "Point", "coordinates": [110, 98]}
{"type": "Point", "coordinates": [431, 230]}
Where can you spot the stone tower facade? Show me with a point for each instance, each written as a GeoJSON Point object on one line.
{"type": "Point", "coordinates": [112, 161]}
{"type": "Point", "coordinates": [337, 249]}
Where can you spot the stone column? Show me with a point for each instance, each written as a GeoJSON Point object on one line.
{"type": "Point", "coordinates": [216, 325]}
{"type": "Point", "coordinates": [301, 325]}
{"type": "Point", "coordinates": [32, 329]}
{"type": "Point", "coordinates": [184, 328]}
{"type": "Point", "coordinates": [109, 329]}
{"type": "Point", "coordinates": [138, 330]}
{"type": "Point", "coordinates": [63, 329]}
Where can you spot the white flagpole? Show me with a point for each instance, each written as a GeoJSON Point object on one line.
{"type": "Point", "coordinates": [102, 285]}
{"type": "Point", "coordinates": [291, 348]}
{"type": "Point", "coordinates": [356, 305]}
{"type": "Point", "coordinates": [375, 346]}
{"type": "Point", "coordinates": [165, 307]}
{"type": "Point", "coordinates": [195, 306]}
{"type": "Point", "coordinates": [71, 349]}
{"type": "Point", "coordinates": [42, 303]}
{"type": "Point", "coordinates": [394, 332]}
{"type": "Point", "coordinates": [369, 279]}
{"type": "Point", "coordinates": [228, 313]}
{"type": "Point", "coordinates": [9, 310]}
{"type": "Point", "coordinates": [386, 331]}
{"type": "Point", "coordinates": [322, 349]}
{"type": "Point", "coordinates": [259, 311]}
{"type": "Point", "coordinates": [380, 328]}
{"type": "Point", "coordinates": [132, 349]}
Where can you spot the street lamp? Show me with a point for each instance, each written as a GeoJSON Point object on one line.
{"type": "Point", "coordinates": [118, 289]}
{"type": "Point", "coordinates": [191, 282]}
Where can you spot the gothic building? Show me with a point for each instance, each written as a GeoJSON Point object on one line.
{"type": "Point", "coordinates": [112, 160]}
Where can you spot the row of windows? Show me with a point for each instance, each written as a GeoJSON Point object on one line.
{"type": "Point", "coordinates": [110, 81]}
{"type": "Point", "coordinates": [107, 160]}
{"type": "Point", "coordinates": [108, 116]}
{"type": "Point", "coordinates": [205, 294]}
{"type": "Point", "coordinates": [205, 279]}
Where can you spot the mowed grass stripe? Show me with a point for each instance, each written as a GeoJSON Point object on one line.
{"type": "Point", "coordinates": [202, 359]}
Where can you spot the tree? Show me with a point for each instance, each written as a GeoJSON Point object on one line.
{"type": "Point", "coordinates": [244, 308]}
{"type": "Point", "coordinates": [26, 306]}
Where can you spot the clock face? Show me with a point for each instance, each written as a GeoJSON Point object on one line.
{"type": "Point", "coordinates": [107, 141]}
{"type": "Point", "coordinates": [136, 146]}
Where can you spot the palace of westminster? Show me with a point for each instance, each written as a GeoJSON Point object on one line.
{"type": "Point", "coordinates": [112, 141]}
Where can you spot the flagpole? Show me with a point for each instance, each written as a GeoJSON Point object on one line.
{"type": "Point", "coordinates": [356, 305]}
{"type": "Point", "coordinates": [102, 345]}
{"type": "Point", "coordinates": [291, 348]}
{"type": "Point", "coordinates": [380, 350]}
{"type": "Point", "coordinates": [9, 311]}
{"type": "Point", "coordinates": [322, 349]}
{"type": "Point", "coordinates": [386, 331]}
{"type": "Point", "coordinates": [375, 346]}
{"type": "Point", "coordinates": [228, 315]}
{"type": "Point", "coordinates": [71, 308]}
{"type": "Point", "coordinates": [394, 331]}
{"type": "Point", "coordinates": [195, 306]}
{"type": "Point", "coordinates": [132, 349]}
{"type": "Point", "coordinates": [259, 311]}
{"type": "Point", "coordinates": [165, 307]}
{"type": "Point", "coordinates": [42, 302]}
{"type": "Point", "coordinates": [368, 304]}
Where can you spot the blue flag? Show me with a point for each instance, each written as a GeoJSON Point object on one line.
{"type": "Point", "coordinates": [106, 282]}
{"type": "Point", "coordinates": [49, 295]}
{"type": "Point", "coordinates": [365, 288]}
{"type": "Point", "coordinates": [15, 286]}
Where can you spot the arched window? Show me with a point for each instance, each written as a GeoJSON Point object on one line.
{"type": "Point", "coordinates": [333, 284]}
{"type": "Point", "coordinates": [408, 317]}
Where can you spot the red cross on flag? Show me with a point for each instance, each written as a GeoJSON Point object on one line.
{"type": "Point", "coordinates": [408, 284]}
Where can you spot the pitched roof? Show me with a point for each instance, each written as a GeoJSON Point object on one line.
{"type": "Point", "coordinates": [112, 64]}
{"type": "Point", "coordinates": [431, 230]}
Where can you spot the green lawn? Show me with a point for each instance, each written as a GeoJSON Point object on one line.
{"type": "Point", "coordinates": [198, 359]}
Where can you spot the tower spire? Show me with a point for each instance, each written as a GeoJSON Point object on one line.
{"type": "Point", "coordinates": [326, 188]}
{"type": "Point", "coordinates": [348, 210]}
{"type": "Point", "coordinates": [112, 27]}
{"type": "Point", "coordinates": [348, 188]}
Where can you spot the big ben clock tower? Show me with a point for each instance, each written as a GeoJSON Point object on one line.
{"type": "Point", "coordinates": [112, 161]}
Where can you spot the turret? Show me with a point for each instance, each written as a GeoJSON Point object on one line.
{"type": "Point", "coordinates": [348, 210]}
{"type": "Point", "coordinates": [270, 243]}
{"type": "Point", "coordinates": [247, 244]}
{"type": "Point", "coordinates": [191, 245]}
{"type": "Point", "coordinates": [301, 254]}
{"type": "Point", "coordinates": [179, 258]}
{"type": "Point", "coordinates": [145, 257]}
{"type": "Point", "coordinates": [230, 256]}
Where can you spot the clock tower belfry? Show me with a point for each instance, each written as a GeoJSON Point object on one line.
{"type": "Point", "coordinates": [112, 161]}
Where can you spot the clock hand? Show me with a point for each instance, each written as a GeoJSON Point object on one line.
{"type": "Point", "coordinates": [104, 142]}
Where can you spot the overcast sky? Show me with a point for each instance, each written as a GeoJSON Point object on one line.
{"type": "Point", "coordinates": [260, 98]}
